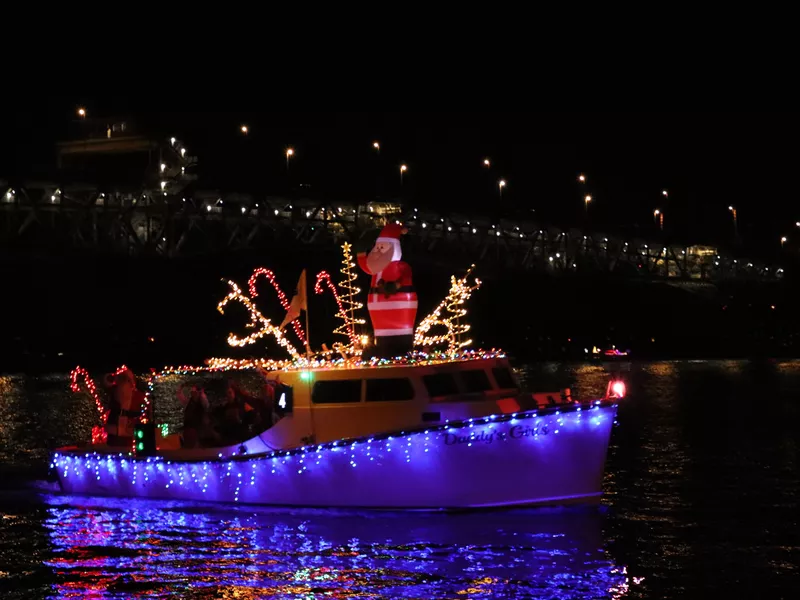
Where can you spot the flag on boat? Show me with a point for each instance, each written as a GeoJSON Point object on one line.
{"type": "Point", "coordinates": [299, 301]}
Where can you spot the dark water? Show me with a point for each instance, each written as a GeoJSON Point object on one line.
{"type": "Point", "coordinates": [701, 500]}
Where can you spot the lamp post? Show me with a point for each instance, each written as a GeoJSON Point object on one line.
{"type": "Point", "coordinates": [658, 216]}
{"type": "Point", "coordinates": [784, 239]}
{"type": "Point", "coordinates": [500, 185]}
{"type": "Point", "coordinates": [289, 155]}
{"type": "Point", "coordinates": [582, 178]}
{"type": "Point", "coordinates": [377, 146]}
{"type": "Point", "coordinates": [586, 202]}
{"type": "Point", "coordinates": [245, 129]}
{"type": "Point", "coordinates": [403, 169]}
{"type": "Point", "coordinates": [735, 220]}
{"type": "Point", "coordinates": [487, 163]}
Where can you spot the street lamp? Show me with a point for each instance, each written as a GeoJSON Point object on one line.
{"type": "Point", "coordinates": [665, 193]}
{"type": "Point", "coordinates": [289, 154]}
{"type": "Point", "coordinates": [501, 184]}
{"type": "Point", "coordinates": [582, 178]}
{"type": "Point", "coordinates": [658, 216]}
{"type": "Point", "coordinates": [377, 147]}
{"type": "Point", "coordinates": [735, 219]}
{"type": "Point", "coordinates": [82, 112]}
{"type": "Point", "coordinates": [784, 239]}
{"type": "Point", "coordinates": [487, 163]}
{"type": "Point", "coordinates": [797, 224]}
{"type": "Point", "coordinates": [586, 201]}
{"type": "Point", "coordinates": [403, 169]}
{"type": "Point", "coordinates": [245, 130]}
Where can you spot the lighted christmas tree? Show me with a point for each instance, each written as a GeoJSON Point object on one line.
{"type": "Point", "coordinates": [453, 308]}
{"type": "Point", "coordinates": [350, 304]}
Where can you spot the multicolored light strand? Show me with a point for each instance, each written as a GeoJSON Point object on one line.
{"type": "Point", "coordinates": [328, 360]}
{"type": "Point", "coordinates": [270, 276]}
{"type": "Point", "coordinates": [460, 292]}
{"type": "Point", "coordinates": [257, 320]}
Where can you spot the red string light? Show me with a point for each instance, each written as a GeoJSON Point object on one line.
{"type": "Point", "coordinates": [346, 328]}
{"type": "Point", "coordinates": [91, 388]}
{"type": "Point", "coordinates": [99, 433]}
{"type": "Point", "coordinates": [270, 276]}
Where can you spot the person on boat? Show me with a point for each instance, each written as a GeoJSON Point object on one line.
{"type": "Point", "coordinates": [240, 412]}
{"type": "Point", "coordinates": [125, 410]}
{"type": "Point", "coordinates": [392, 301]}
{"type": "Point", "coordinates": [195, 415]}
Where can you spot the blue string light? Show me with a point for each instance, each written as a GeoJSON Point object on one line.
{"type": "Point", "coordinates": [191, 478]}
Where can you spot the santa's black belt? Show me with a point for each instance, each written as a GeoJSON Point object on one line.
{"type": "Point", "coordinates": [406, 289]}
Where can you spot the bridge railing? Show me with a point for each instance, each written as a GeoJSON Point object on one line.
{"type": "Point", "coordinates": [169, 223]}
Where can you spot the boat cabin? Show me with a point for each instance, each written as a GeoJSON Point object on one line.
{"type": "Point", "coordinates": [316, 406]}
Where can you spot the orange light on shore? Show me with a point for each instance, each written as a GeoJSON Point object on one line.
{"type": "Point", "coordinates": [82, 113]}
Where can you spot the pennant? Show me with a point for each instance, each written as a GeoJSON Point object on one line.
{"type": "Point", "coordinates": [299, 301]}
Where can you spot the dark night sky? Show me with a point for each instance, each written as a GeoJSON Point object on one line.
{"type": "Point", "coordinates": [706, 160]}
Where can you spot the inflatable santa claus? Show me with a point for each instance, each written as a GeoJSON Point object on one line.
{"type": "Point", "coordinates": [392, 301]}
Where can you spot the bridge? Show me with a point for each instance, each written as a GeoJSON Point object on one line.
{"type": "Point", "coordinates": [165, 222]}
{"type": "Point", "coordinates": [161, 214]}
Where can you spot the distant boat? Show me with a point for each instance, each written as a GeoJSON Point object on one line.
{"type": "Point", "coordinates": [610, 354]}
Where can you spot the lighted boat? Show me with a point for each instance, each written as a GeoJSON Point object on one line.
{"type": "Point", "coordinates": [425, 430]}
{"type": "Point", "coordinates": [435, 432]}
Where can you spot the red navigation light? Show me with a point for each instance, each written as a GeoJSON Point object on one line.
{"type": "Point", "coordinates": [618, 389]}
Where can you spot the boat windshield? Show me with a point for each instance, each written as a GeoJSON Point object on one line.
{"type": "Point", "coordinates": [219, 409]}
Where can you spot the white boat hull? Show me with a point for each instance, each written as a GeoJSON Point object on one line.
{"type": "Point", "coordinates": [546, 457]}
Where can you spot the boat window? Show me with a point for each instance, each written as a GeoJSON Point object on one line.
{"type": "Point", "coordinates": [504, 379]}
{"type": "Point", "coordinates": [441, 384]}
{"type": "Point", "coordinates": [389, 390]}
{"type": "Point", "coordinates": [336, 392]}
{"type": "Point", "coordinates": [475, 381]}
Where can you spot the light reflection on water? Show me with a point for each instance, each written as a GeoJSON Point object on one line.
{"type": "Point", "coordinates": [111, 548]}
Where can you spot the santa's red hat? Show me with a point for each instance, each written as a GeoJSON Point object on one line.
{"type": "Point", "coordinates": [391, 233]}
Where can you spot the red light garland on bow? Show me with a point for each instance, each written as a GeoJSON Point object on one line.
{"type": "Point", "coordinates": [99, 434]}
